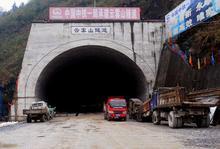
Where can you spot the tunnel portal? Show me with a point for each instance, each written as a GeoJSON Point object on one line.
{"type": "Point", "coordinates": [82, 78]}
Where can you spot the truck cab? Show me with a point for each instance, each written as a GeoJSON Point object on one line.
{"type": "Point", "coordinates": [39, 111]}
{"type": "Point", "coordinates": [39, 105]}
{"type": "Point", "coordinates": [115, 108]}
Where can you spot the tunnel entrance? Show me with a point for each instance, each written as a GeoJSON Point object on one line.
{"type": "Point", "coordinates": [82, 78]}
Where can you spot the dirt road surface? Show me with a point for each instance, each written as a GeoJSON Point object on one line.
{"type": "Point", "coordinates": [90, 131]}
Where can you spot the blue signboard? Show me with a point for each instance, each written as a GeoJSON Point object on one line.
{"type": "Point", "coordinates": [188, 14]}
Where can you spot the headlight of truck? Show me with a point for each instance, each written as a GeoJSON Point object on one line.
{"type": "Point", "coordinates": [111, 112]}
{"type": "Point", "coordinates": [124, 112]}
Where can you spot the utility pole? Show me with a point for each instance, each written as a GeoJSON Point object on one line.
{"type": "Point", "coordinates": [155, 62]}
{"type": "Point", "coordinates": [94, 3]}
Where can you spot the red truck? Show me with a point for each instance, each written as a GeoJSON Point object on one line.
{"type": "Point", "coordinates": [115, 108]}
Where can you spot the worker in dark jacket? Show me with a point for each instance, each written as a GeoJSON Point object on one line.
{"type": "Point", "coordinates": [78, 109]}
{"type": "Point", "coordinates": [216, 117]}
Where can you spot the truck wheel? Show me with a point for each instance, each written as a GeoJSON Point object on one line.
{"type": "Point", "coordinates": [180, 122]}
{"type": "Point", "coordinates": [147, 119]}
{"type": "Point", "coordinates": [28, 119]}
{"type": "Point", "coordinates": [156, 118]}
{"type": "Point", "coordinates": [203, 122]}
{"type": "Point", "coordinates": [139, 117]}
{"type": "Point", "coordinates": [130, 116]}
{"type": "Point", "coordinates": [48, 117]}
{"type": "Point", "coordinates": [108, 118]}
{"type": "Point", "coordinates": [174, 122]}
{"type": "Point", "coordinates": [105, 116]}
{"type": "Point", "coordinates": [43, 118]}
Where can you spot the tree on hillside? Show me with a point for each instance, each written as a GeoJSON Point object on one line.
{"type": "Point", "coordinates": [21, 5]}
{"type": "Point", "coordinates": [14, 7]}
{"type": "Point", "coordinates": [1, 11]}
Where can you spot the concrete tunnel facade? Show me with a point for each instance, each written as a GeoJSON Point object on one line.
{"type": "Point", "coordinates": [68, 69]}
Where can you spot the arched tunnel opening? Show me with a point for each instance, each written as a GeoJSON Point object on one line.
{"type": "Point", "coordinates": [82, 78]}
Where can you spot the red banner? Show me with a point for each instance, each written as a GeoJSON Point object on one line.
{"type": "Point", "coordinates": [94, 13]}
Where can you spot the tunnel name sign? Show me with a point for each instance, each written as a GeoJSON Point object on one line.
{"type": "Point", "coordinates": [188, 14]}
{"type": "Point", "coordinates": [94, 13]}
{"type": "Point", "coordinates": [91, 30]}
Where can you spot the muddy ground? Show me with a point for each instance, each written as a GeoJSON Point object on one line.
{"type": "Point", "coordinates": [91, 131]}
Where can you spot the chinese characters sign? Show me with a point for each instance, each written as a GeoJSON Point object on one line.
{"type": "Point", "coordinates": [188, 14]}
{"type": "Point", "coordinates": [94, 13]}
{"type": "Point", "coordinates": [91, 30]}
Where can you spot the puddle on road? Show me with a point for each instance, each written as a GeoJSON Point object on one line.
{"type": "Point", "coordinates": [69, 126]}
{"type": "Point", "coordinates": [74, 130]}
{"type": "Point", "coordinates": [3, 145]}
{"type": "Point", "coordinates": [66, 127]}
{"type": "Point", "coordinates": [93, 129]}
{"type": "Point", "coordinates": [99, 122]}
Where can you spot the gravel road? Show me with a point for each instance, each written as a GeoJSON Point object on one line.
{"type": "Point", "coordinates": [90, 131]}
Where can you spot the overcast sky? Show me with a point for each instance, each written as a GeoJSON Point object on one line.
{"type": "Point", "coordinates": [7, 4]}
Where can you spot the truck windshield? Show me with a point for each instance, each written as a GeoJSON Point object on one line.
{"type": "Point", "coordinates": [37, 104]}
{"type": "Point", "coordinates": [118, 103]}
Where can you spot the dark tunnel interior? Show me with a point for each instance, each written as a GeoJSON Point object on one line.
{"type": "Point", "coordinates": [82, 78]}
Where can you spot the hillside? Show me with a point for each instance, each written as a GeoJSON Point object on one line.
{"type": "Point", "coordinates": [15, 25]}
